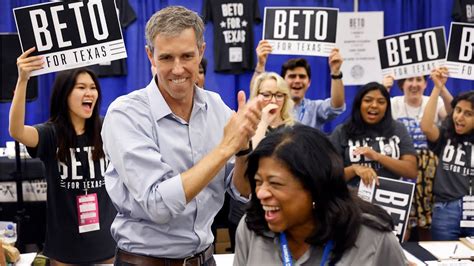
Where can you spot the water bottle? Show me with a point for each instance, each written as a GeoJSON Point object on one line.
{"type": "Point", "coordinates": [9, 234]}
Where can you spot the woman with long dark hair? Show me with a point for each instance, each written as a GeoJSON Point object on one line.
{"type": "Point", "coordinates": [302, 211]}
{"type": "Point", "coordinates": [371, 143]}
{"type": "Point", "coordinates": [453, 143]}
{"type": "Point", "coordinates": [79, 211]}
{"type": "Point", "coordinates": [408, 109]}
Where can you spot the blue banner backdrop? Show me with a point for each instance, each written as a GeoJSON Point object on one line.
{"type": "Point", "coordinates": [399, 16]}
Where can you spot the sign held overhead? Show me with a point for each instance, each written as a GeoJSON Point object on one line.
{"type": "Point", "coordinates": [300, 31]}
{"type": "Point", "coordinates": [413, 53]}
{"type": "Point", "coordinates": [71, 34]}
{"type": "Point", "coordinates": [460, 59]}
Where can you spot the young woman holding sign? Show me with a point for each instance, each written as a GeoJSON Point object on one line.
{"type": "Point", "coordinates": [79, 210]}
{"type": "Point", "coordinates": [408, 109]}
{"type": "Point", "coordinates": [453, 143]}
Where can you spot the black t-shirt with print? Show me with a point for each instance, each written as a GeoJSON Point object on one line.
{"type": "Point", "coordinates": [463, 11]}
{"type": "Point", "coordinates": [233, 33]}
{"type": "Point", "coordinates": [118, 67]}
{"type": "Point", "coordinates": [455, 168]}
{"type": "Point", "coordinates": [65, 182]}
{"type": "Point", "coordinates": [397, 143]}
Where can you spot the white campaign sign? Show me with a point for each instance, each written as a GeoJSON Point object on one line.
{"type": "Point", "coordinates": [460, 59]}
{"type": "Point", "coordinates": [300, 30]}
{"type": "Point", "coordinates": [413, 53]}
{"type": "Point", "coordinates": [71, 34]}
{"type": "Point", "coordinates": [357, 35]}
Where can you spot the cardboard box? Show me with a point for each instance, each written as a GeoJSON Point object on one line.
{"type": "Point", "coordinates": [221, 248]}
{"type": "Point", "coordinates": [222, 235]}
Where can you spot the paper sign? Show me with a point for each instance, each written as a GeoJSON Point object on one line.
{"type": "Point", "coordinates": [412, 54]}
{"type": "Point", "coordinates": [460, 60]}
{"type": "Point", "coordinates": [300, 30]}
{"type": "Point", "coordinates": [71, 34]}
{"type": "Point", "coordinates": [395, 196]}
{"type": "Point", "coordinates": [357, 36]}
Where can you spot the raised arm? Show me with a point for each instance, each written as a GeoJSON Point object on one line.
{"type": "Point", "coordinates": [263, 50]}
{"type": "Point", "coordinates": [157, 186]}
{"type": "Point", "coordinates": [447, 99]}
{"type": "Point", "coordinates": [237, 133]}
{"type": "Point", "coordinates": [337, 87]}
{"type": "Point", "coordinates": [387, 82]}
{"type": "Point", "coordinates": [427, 124]}
{"type": "Point", "coordinates": [27, 135]}
{"type": "Point", "coordinates": [269, 114]}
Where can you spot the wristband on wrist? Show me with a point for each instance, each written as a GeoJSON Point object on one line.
{"type": "Point", "coordinates": [339, 76]}
{"type": "Point", "coordinates": [246, 151]}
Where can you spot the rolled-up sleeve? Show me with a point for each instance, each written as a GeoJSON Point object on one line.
{"type": "Point", "coordinates": [137, 175]}
{"type": "Point", "coordinates": [326, 112]}
{"type": "Point", "coordinates": [318, 112]}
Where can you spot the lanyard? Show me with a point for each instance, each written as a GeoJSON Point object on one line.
{"type": "Point", "coordinates": [326, 252]}
{"type": "Point", "coordinates": [303, 109]}
{"type": "Point", "coordinates": [285, 251]}
{"type": "Point", "coordinates": [286, 254]}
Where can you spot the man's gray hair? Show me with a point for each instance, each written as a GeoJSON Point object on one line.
{"type": "Point", "coordinates": [171, 21]}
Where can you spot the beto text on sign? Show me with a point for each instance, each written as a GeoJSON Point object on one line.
{"type": "Point", "coordinates": [71, 34]}
{"type": "Point", "coordinates": [300, 31]}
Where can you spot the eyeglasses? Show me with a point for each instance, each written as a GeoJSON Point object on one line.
{"type": "Point", "coordinates": [267, 96]}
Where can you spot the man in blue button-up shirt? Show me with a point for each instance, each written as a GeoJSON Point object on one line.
{"type": "Point", "coordinates": [297, 73]}
{"type": "Point", "coordinates": [171, 146]}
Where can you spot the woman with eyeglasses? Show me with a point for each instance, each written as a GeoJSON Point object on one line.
{"type": "Point", "coordinates": [274, 92]}
{"type": "Point", "coordinates": [276, 113]}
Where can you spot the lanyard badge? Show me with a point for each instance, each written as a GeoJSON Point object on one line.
{"type": "Point", "coordinates": [88, 213]}
{"type": "Point", "coordinates": [286, 253]}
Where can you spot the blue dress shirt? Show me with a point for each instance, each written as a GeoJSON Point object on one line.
{"type": "Point", "coordinates": [315, 113]}
{"type": "Point", "coordinates": [148, 147]}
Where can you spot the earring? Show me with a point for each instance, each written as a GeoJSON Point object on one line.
{"type": "Point", "coordinates": [314, 205]}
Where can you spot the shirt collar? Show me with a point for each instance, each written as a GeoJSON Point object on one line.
{"type": "Point", "coordinates": [160, 108]}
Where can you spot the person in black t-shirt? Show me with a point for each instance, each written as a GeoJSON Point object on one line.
{"type": "Point", "coordinates": [233, 33]}
{"type": "Point", "coordinates": [371, 143]}
{"type": "Point", "coordinates": [201, 77]}
{"type": "Point", "coordinates": [463, 11]}
{"type": "Point", "coordinates": [453, 143]}
{"type": "Point", "coordinates": [79, 210]}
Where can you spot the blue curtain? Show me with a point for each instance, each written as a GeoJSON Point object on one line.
{"type": "Point", "coordinates": [399, 16]}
